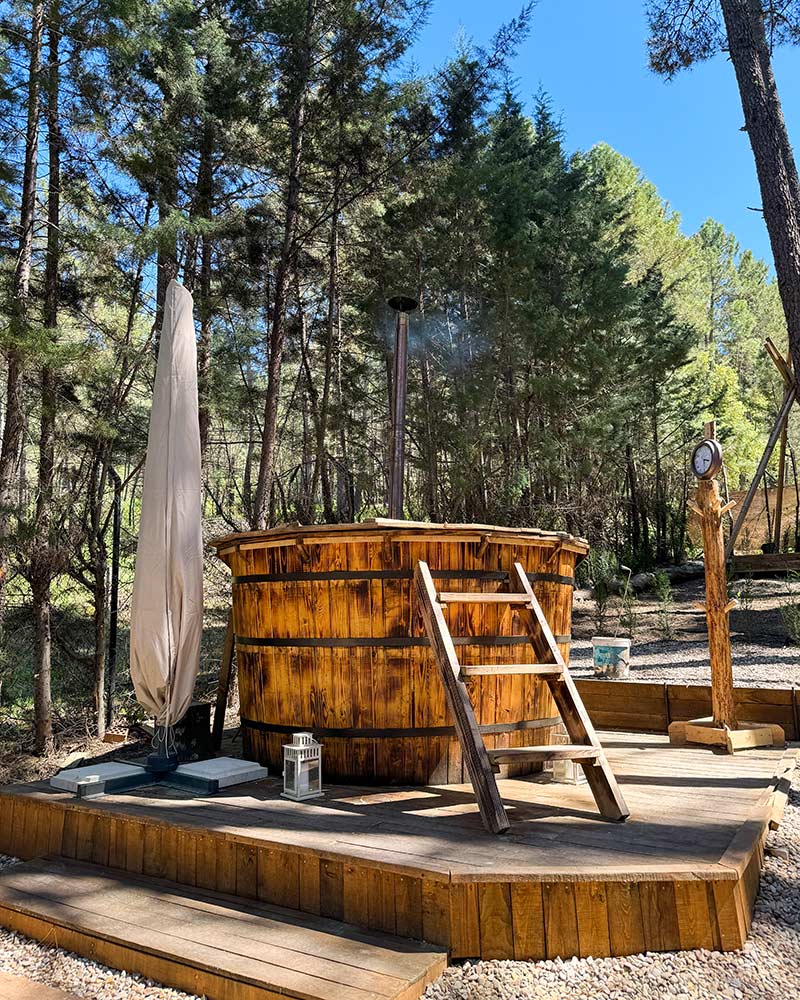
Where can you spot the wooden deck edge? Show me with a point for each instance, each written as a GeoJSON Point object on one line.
{"type": "Point", "coordinates": [116, 810]}
{"type": "Point", "coordinates": [703, 872]}
{"type": "Point", "coordinates": [651, 706]}
{"type": "Point", "coordinates": [745, 859]}
{"type": "Point", "coordinates": [783, 782]}
{"type": "Point", "coordinates": [753, 831]}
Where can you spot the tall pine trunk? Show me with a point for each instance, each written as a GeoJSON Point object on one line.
{"type": "Point", "coordinates": [775, 165]}
{"type": "Point", "coordinates": [44, 559]}
{"type": "Point", "coordinates": [205, 194]}
{"type": "Point", "coordinates": [283, 274]}
{"type": "Point", "coordinates": [14, 425]}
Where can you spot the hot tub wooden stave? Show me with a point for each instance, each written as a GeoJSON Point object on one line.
{"type": "Point", "coordinates": [329, 639]}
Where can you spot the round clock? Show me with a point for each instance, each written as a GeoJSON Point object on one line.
{"type": "Point", "coordinates": [707, 459]}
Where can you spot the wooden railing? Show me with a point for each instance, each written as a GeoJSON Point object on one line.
{"type": "Point", "coordinates": [650, 707]}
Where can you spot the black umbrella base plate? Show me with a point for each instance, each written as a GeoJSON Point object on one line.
{"type": "Point", "coordinates": [141, 776]}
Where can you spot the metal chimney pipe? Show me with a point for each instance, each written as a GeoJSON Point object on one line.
{"type": "Point", "coordinates": [403, 305]}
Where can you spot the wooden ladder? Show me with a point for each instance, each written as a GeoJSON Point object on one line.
{"type": "Point", "coordinates": [482, 762]}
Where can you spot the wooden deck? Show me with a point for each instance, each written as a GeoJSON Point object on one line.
{"type": "Point", "coordinates": [766, 562]}
{"type": "Point", "coordinates": [682, 872]}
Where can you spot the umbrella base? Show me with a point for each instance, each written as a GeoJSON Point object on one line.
{"type": "Point", "coordinates": [124, 783]}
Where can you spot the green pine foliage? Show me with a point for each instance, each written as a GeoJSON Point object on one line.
{"type": "Point", "coordinates": [570, 340]}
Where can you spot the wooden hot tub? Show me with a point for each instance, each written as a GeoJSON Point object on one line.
{"type": "Point", "coordinates": [329, 639]}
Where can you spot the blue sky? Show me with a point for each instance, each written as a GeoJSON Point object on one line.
{"type": "Point", "coordinates": [591, 57]}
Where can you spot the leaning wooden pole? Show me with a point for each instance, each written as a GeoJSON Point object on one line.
{"type": "Point", "coordinates": [785, 369]}
{"type": "Point", "coordinates": [777, 427]}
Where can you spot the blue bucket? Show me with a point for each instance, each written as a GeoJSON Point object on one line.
{"type": "Point", "coordinates": [611, 657]}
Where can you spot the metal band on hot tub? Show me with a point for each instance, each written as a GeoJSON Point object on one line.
{"type": "Point", "coordinates": [490, 729]}
{"type": "Point", "coordinates": [386, 642]}
{"type": "Point", "coordinates": [365, 575]}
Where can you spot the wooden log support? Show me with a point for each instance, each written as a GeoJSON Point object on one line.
{"type": "Point", "coordinates": [476, 758]}
{"type": "Point", "coordinates": [784, 367]}
{"type": "Point", "coordinates": [722, 729]}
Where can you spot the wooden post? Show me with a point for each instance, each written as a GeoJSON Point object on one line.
{"type": "Point", "coordinates": [723, 729]}
{"type": "Point", "coordinates": [224, 685]}
{"type": "Point", "coordinates": [403, 305]}
{"type": "Point", "coordinates": [398, 429]}
{"type": "Point", "coordinates": [777, 528]}
{"type": "Point", "coordinates": [786, 372]}
{"type": "Point", "coordinates": [718, 607]}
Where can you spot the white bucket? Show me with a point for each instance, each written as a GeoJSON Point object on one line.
{"type": "Point", "coordinates": [611, 657]}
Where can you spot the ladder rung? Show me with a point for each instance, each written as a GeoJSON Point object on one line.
{"type": "Point", "coordinates": [488, 669]}
{"type": "Point", "coordinates": [464, 597]}
{"type": "Point", "coordinates": [555, 752]}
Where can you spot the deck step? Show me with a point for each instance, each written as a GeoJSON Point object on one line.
{"type": "Point", "coordinates": [465, 597]}
{"type": "Point", "coordinates": [490, 669]}
{"type": "Point", "coordinates": [208, 943]}
{"type": "Point", "coordinates": [506, 755]}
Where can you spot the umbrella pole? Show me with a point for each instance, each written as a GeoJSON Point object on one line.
{"type": "Point", "coordinates": [164, 757]}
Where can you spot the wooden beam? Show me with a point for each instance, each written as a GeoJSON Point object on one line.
{"type": "Point", "coordinates": [464, 597]}
{"type": "Point", "coordinates": [499, 669]}
{"type": "Point", "coordinates": [783, 366]}
{"type": "Point", "coordinates": [224, 684]}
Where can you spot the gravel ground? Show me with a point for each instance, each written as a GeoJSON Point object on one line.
{"type": "Point", "coordinates": [762, 652]}
{"type": "Point", "coordinates": [768, 968]}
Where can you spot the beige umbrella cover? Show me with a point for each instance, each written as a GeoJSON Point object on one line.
{"type": "Point", "coordinates": [167, 609]}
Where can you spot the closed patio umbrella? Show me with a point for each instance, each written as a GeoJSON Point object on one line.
{"type": "Point", "coordinates": [167, 609]}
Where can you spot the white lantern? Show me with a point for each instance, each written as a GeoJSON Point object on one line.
{"type": "Point", "coordinates": [302, 767]}
{"type": "Point", "coordinates": [564, 772]}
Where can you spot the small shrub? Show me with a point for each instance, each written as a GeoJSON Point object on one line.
{"type": "Point", "coordinates": [629, 614]}
{"type": "Point", "coordinates": [599, 569]}
{"type": "Point", "coordinates": [743, 590]}
{"type": "Point", "coordinates": [666, 603]}
{"type": "Point", "coordinates": [790, 613]}
{"type": "Point", "coordinates": [790, 610]}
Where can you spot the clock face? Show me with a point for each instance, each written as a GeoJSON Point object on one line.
{"type": "Point", "coordinates": [706, 459]}
{"type": "Point", "coordinates": [703, 458]}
